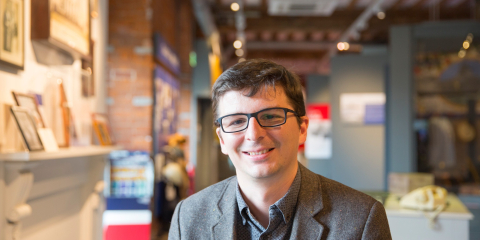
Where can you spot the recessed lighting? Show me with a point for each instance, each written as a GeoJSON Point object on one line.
{"type": "Point", "coordinates": [381, 15]}
{"type": "Point", "coordinates": [235, 6]}
{"type": "Point", "coordinates": [239, 52]}
{"type": "Point", "coordinates": [237, 44]}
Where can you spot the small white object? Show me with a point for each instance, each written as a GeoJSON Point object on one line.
{"type": "Point", "coordinates": [19, 212]}
{"type": "Point", "coordinates": [48, 139]}
{"type": "Point", "coordinates": [427, 198]}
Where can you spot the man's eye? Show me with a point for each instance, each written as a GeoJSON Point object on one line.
{"type": "Point", "coordinates": [237, 122]}
{"type": "Point", "coordinates": [269, 116]}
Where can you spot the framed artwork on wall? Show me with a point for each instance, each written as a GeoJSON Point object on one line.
{"type": "Point", "coordinates": [30, 102]}
{"type": "Point", "coordinates": [11, 31]}
{"type": "Point", "coordinates": [64, 24]}
{"type": "Point", "coordinates": [27, 127]}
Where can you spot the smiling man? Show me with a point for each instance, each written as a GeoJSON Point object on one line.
{"type": "Point", "coordinates": [260, 117]}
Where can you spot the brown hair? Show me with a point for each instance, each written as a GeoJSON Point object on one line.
{"type": "Point", "coordinates": [255, 75]}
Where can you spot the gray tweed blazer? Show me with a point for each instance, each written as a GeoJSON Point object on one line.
{"type": "Point", "coordinates": [325, 210]}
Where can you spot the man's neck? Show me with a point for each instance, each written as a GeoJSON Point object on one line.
{"type": "Point", "coordinates": [260, 194]}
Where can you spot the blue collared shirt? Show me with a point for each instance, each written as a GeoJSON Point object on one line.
{"type": "Point", "coordinates": [281, 215]}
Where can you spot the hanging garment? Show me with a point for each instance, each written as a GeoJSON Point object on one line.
{"type": "Point", "coordinates": [441, 149]}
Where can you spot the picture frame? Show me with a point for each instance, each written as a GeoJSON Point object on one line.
{"type": "Point", "coordinates": [101, 128]}
{"type": "Point", "coordinates": [12, 39]}
{"type": "Point", "coordinates": [30, 102]}
{"type": "Point", "coordinates": [66, 115]}
{"type": "Point", "coordinates": [63, 24]}
{"type": "Point", "coordinates": [27, 128]}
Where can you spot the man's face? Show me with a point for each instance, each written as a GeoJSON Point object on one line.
{"type": "Point", "coordinates": [275, 148]}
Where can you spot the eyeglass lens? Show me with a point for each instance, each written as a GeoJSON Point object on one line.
{"type": "Point", "coordinates": [266, 118]}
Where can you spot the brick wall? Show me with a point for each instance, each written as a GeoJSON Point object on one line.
{"type": "Point", "coordinates": [131, 63]}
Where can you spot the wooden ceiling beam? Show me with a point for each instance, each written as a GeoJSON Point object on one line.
{"type": "Point", "coordinates": [292, 24]}
{"type": "Point", "coordinates": [397, 5]}
{"type": "Point", "coordinates": [352, 5]}
{"type": "Point", "coordinates": [419, 4]}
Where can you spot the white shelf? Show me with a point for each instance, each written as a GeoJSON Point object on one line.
{"type": "Point", "coordinates": [63, 153]}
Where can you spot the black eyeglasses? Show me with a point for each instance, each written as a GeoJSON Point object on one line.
{"type": "Point", "coordinates": [270, 117]}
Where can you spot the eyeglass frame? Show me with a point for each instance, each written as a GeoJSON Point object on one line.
{"type": "Point", "coordinates": [218, 122]}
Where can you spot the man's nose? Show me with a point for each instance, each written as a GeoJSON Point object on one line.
{"type": "Point", "coordinates": [254, 131]}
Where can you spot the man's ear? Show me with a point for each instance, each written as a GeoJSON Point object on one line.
{"type": "Point", "coordinates": [303, 130]}
{"type": "Point", "coordinates": [222, 143]}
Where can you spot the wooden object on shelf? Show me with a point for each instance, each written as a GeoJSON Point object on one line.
{"type": "Point", "coordinates": [100, 125]}
{"type": "Point", "coordinates": [65, 115]}
{"type": "Point", "coordinates": [10, 138]}
{"type": "Point", "coordinates": [62, 26]}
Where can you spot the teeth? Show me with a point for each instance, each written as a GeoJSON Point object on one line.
{"type": "Point", "coordinates": [258, 153]}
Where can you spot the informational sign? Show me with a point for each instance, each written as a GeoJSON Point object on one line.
{"type": "Point", "coordinates": [319, 133]}
{"type": "Point", "coordinates": [362, 108]}
{"type": "Point", "coordinates": [166, 54]}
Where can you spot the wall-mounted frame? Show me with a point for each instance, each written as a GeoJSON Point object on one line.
{"type": "Point", "coordinates": [30, 102]}
{"type": "Point", "coordinates": [12, 38]}
{"type": "Point", "coordinates": [100, 125]}
{"type": "Point", "coordinates": [27, 127]}
{"type": "Point", "coordinates": [63, 24]}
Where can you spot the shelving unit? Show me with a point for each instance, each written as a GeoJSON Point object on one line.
{"type": "Point", "coordinates": [64, 153]}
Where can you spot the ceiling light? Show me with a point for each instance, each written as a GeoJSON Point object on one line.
{"type": "Point", "coordinates": [346, 46]}
{"type": "Point", "coordinates": [239, 52]}
{"type": "Point", "coordinates": [469, 37]}
{"type": "Point", "coordinates": [462, 53]}
{"type": "Point", "coordinates": [341, 46]}
{"type": "Point", "coordinates": [466, 44]}
{"type": "Point", "coordinates": [381, 15]}
{"type": "Point", "coordinates": [237, 44]}
{"type": "Point", "coordinates": [235, 7]}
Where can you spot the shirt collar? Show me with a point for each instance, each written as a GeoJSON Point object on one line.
{"type": "Point", "coordinates": [287, 204]}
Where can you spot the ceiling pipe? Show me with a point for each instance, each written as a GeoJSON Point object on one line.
{"type": "Point", "coordinates": [207, 24]}
{"type": "Point", "coordinates": [352, 31]}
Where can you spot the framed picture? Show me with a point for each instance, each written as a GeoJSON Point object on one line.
{"type": "Point", "coordinates": [65, 24]}
{"type": "Point", "coordinates": [27, 127]}
{"type": "Point", "coordinates": [100, 126]}
{"type": "Point", "coordinates": [11, 31]}
{"type": "Point", "coordinates": [30, 102]}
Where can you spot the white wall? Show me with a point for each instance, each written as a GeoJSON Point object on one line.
{"type": "Point", "coordinates": [358, 152]}
{"type": "Point", "coordinates": [61, 188]}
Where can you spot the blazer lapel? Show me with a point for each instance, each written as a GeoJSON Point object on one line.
{"type": "Point", "coordinates": [224, 227]}
{"type": "Point", "coordinates": [309, 204]}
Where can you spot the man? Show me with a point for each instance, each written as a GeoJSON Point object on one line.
{"type": "Point", "coordinates": [260, 118]}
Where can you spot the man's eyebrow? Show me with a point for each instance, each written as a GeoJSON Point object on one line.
{"type": "Point", "coordinates": [276, 106]}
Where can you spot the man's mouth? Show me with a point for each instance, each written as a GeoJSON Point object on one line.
{"type": "Point", "coordinates": [259, 152]}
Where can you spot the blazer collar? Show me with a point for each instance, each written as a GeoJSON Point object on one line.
{"type": "Point", "coordinates": [309, 204]}
{"type": "Point", "coordinates": [224, 227]}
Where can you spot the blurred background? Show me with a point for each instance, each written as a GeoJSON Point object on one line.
{"type": "Point", "coordinates": [106, 120]}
